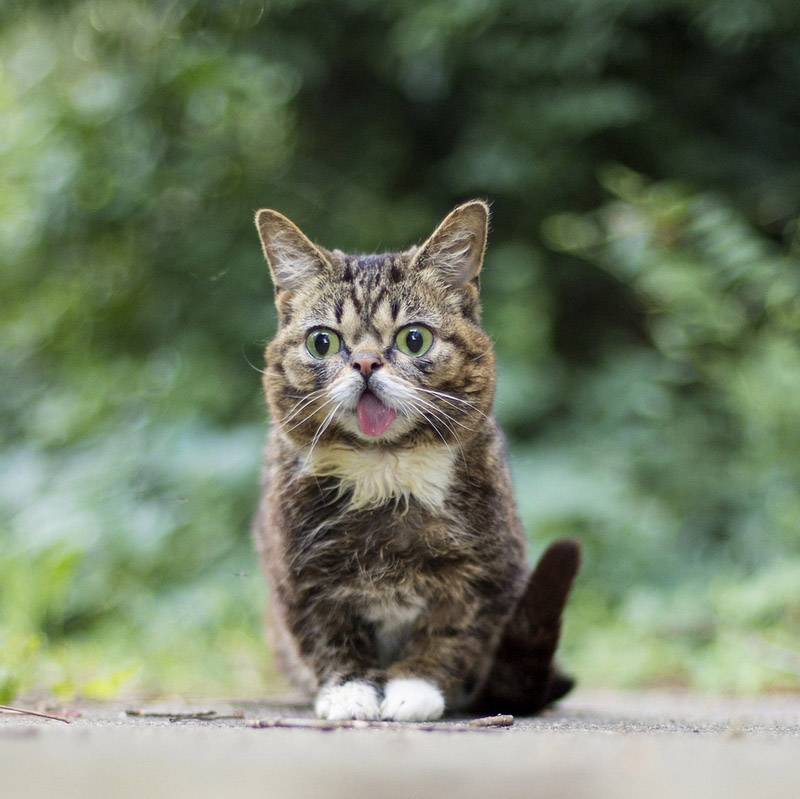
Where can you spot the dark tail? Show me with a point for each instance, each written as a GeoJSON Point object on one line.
{"type": "Point", "coordinates": [524, 678]}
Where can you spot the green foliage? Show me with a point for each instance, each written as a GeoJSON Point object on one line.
{"type": "Point", "coordinates": [693, 458]}
{"type": "Point", "coordinates": [642, 286]}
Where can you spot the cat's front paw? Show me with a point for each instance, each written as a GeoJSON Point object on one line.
{"type": "Point", "coordinates": [348, 700]}
{"type": "Point", "coordinates": [411, 699]}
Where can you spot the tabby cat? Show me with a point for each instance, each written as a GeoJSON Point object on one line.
{"type": "Point", "coordinates": [387, 526]}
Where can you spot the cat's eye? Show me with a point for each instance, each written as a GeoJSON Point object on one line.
{"type": "Point", "coordinates": [322, 343]}
{"type": "Point", "coordinates": [414, 340]}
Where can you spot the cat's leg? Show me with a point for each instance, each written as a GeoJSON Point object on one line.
{"type": "Point", "coordinates": [285, 652]}
{"type": "Point", "coordinates": [443, 667]}
{"type": "Point", "coordinates": [339, 650]}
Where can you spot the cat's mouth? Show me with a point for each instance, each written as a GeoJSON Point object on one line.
{"type": "Point", "coordinates": [374, 417]}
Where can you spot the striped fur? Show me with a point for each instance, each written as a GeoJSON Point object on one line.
{"type": "Point", "coordinates": [395, 559]}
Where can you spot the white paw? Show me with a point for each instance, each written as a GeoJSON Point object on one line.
{"type": "Point", "coordinates": [411, 700]}
{"type": "Point", "coordinates": [349, 700]}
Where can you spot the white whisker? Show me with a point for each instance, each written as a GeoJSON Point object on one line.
{"type": "Point", "coordinates": [322, 428]}
{"type": "Point", "coordinates": [450, 399]}
{"type": "Point", "coordinates": [432, 415]}
{"type": "Point", "coordinates": [303, 404]}
{"type": "Point", "coordinates": [431, 408]}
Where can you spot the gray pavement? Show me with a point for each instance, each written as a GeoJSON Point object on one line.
{"type": "Point", "coordinates": [594, 744]}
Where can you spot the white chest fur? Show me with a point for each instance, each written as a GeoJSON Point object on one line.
{"type": "Point", "coordinates": [375, 476]}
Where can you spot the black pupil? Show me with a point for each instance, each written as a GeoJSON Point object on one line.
{"type": "Point", "coordinates": [322, 341]}
{"type": "Point", "coordinates": [414, 340]}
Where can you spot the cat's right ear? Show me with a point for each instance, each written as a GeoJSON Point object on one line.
{"type": "Point", "coordinates": [293, 259]}
{"type": "Point", "coordinates": [456, 247]}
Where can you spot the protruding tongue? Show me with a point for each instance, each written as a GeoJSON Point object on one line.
{"type": "Point", "coordinates": [373, 416]}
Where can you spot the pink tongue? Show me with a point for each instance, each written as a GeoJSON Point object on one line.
{"type": "Point", "coordinates": [373, 416]}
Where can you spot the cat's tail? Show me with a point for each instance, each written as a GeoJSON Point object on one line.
{"type": "Point", "coordinates": [524, 678]}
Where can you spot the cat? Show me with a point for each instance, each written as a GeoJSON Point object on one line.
{"type": "Point", "coordinates": [387, 525]}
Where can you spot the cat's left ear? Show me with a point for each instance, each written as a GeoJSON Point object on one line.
{"type": "Point", "coordinates": [293, 259]}
{"type": "Point", "coordinates": [456, 247]}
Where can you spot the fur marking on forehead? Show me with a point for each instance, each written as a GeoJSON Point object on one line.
{"type": "Point", "coordinates": [370, 270]}
{"type": "Point", "coordinates": [366, 298]}
{"type": "Point", "coordinates": [369, 261]}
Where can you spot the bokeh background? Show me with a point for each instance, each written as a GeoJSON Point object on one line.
{"type": "Point", "coordinates": [642, 285]}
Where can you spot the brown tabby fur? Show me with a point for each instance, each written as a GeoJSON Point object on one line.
{"type": "Point", "coordinates": [398, 557]}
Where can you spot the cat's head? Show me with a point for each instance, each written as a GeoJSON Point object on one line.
{"type": "Point", "coordinates": [376, 350]}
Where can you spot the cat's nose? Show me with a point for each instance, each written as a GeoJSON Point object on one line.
{"type": "Point", "coordinates": [366, 363]}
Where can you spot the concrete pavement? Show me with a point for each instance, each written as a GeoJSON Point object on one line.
{"type": "Point", "coordinates": [642, 744]}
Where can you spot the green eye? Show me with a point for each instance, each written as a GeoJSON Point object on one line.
{"type": "Point", "coordinates": [322, 343]}
{"type": "Point", "coordinates": [414, 340]}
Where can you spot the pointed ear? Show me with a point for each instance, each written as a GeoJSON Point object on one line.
{"type": "Point", "coordinates": [456, 247]}
{"type": "Point", "coordinates": [292, 258]}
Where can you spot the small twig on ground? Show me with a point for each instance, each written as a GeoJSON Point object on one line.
{"type": "Point", "coordinates": [200, 715]}
{"type": "Point", "coordinates": [492, 721]}
{"type": "Point", "coordinates": [357, 724]}
{"type": "Point", "coordinates": [21, 711]}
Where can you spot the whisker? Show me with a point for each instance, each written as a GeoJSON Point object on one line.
{"type": "Point", "coordinates": [487, 350]}
{"type": "Point", "coordinates": [304, 402]}
{"type": "Point", "coordinates": [432, 408]}
{"type": "Point", "coordinates": [322, 428]}
{"type": "Point", "coordinates": [253, 366]}
{"type": "Point", "coordinates": [444, 395]}
{"type": "Point", "coordinates": [450, 399]}
{"type": "Point", "coordinates": [430, 412]}
{"type": "Point", "coordinates": [410, 403]}
{"type": "Point", "coordinates": [310, 415]}
{"type": "Point", "coordinates": [432, 415]}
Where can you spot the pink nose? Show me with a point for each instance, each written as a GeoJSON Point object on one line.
{"type": "Point", "coordinates": [365, 362]}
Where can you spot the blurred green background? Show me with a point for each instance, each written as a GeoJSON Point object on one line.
{"type": "Point", "coordinates": [642, 285]}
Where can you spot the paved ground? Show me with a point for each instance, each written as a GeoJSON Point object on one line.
{"type": "Point", "coordinates": [643, 745]}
